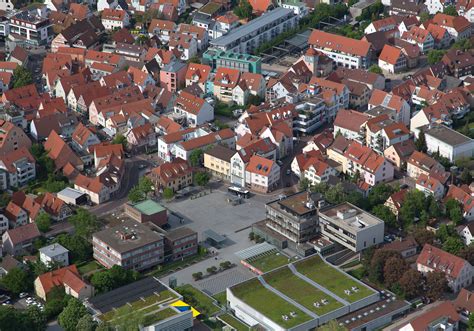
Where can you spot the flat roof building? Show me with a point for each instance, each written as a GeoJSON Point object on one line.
{"type": "Point", "coordinates": [350, 226]}
{"type": "Point", "coordinates": [250, 36]}
{"type": "Point", "coordinates": [147, 211]}
{"type": "Point", "coordinates": [242, 62]}
{"type": "Point", "coordinates": [131, 245]}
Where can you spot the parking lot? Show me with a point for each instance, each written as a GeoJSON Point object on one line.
{"type": "Point", "coordinates": [213, 212]}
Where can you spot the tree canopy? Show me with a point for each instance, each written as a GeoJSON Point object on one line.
{"type": "Point", "coordinates": [112, 278]}
{"type": "Point", "coordinates": [21, 77]}
{"type": "Point", "coordinates": [85, 223]}
{"type": "Point", "coordinates": [43, 221]}
{"type": "Point", "coordinates": [72, 313]}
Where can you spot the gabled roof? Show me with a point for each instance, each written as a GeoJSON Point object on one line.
{"type": "Point", "coordinates": [189, 103]}
{"type": "Point", "coordinates": [424, 321]}
{"type": "Point", "coordinates": [416, 34]}
{"type": "Point", "coordinates": [68, 276]}
{"type": "Point", "coordinates": [8, 159]}
{"type": "Point", "coordinates": [350, 119]}
{"type": "Point", "coordinates": [81, 134]}
{"type": "Point", "coordinates": [24, 233]}
{"type": "Point", "coordinates": [324, 40]}
{"type": "Point", "coordinates": [226, 77]}
{"type": "Point", "coordinates": [260, 165]}
{"type": "Point", "coordinates": [173, 170]}
{"type": "Point", "coordinates": [459, 23]}
{"type": "Point", "coordinates": [50, 203]}
{"type": "Point", "coordinates": [390, 54]}
{"type": "Point", "coordinates": [463, 195]}
{"type": "Point", "coordinates": [439, 260]}
{"type": "Point", "coordinates": [198, 72]}
{"type": "Point", "coordinates": [60, 152]}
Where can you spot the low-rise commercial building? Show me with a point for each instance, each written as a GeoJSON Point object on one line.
{"type": "Point", "coordinates": [130, 245]}
{"type": "Point", "coordinates": [147, 211]}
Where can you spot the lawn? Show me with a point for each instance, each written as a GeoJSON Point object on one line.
{"type": "Point", "coordinates": [152, 299]}
{"type": "Point", "coordinates": [331, 278]}
{"type": "Point", "coordinates": [159, 316]}
{"type": "Point", "coordinates": [221, 298]}
{"type": "Point", "coordinates": [269, 304]}
{"type": "Point", "coordinates": [233, 322]}
{"type": "Point", "coordinates": [89, 267]}
{"type": "Point", "coordinates": [268, 261]}
{"type": "Point", "coordinates": [302, 292]}
{"type": "Point", "coordinates": [200, 300]}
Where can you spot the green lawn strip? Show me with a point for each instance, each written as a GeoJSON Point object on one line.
{"type": "Point", "coordinates": [233, 322]}
{"type": "Point", "coordinates": [268, 303]}
{"type": "Point", "coordinates": [331, 278]}
{"type": "Point", "coordinates": [221, 298]}
{"type": "Point", "coordinates": [89, 267]}
{"type": "Point", "coordinates": [268, 262]}
{"type": "Point", "coordinates": [159, 316]}
{"type": "Point", "coordinates": [203, 301]}
{"type": "Point", "coordinates": [302, 292]}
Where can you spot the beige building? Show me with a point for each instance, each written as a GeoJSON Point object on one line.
{"type": "Point", "coordinates": [217, 161]}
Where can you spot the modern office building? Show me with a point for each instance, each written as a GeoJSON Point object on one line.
{"type": "Point", "coordinates": [293, 218]}
{"type": "Point", "coordinates": [250, 36]}
{"type": "Point", "coordinates": [242, 62]}
{"type": "Point", "coordinates": [350, 226]}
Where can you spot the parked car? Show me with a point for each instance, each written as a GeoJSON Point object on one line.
{"type": "Point", "coordinates": [23, 295]}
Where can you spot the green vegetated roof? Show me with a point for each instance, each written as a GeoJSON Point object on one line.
{"type": "Point", "coordinates": [254, 294]}
{"type": "Point", "coordinates": [332, 279]}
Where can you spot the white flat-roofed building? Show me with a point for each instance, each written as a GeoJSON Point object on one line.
{"type": "Point", "coordinates": [54, 253]}
{"type": "Point", "coordinates": [250, 36]}
{"type": "Point", "coordinates": [351, 227]}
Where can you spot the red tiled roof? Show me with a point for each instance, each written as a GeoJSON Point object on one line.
{"type": "Point", "coordinates": [439, 260]}
{"type": "Point", "coordinates": [321, 39]}
{"type": "Point", "coordinates": [390, 54]}
{"type": "Point", "coordinates": [260, 5]}
{"type": "Point", "coordinates": [259, 165]}
{"type": "Point", "coordinates": [226, 77]}
{"type": "Point", "coordinates": [446, 309]}
{"type": "Point", "coordinates": [23, 233]}
{"type": "Point", "coordinates": [198, 72]}
{"type": "Point", "coordinates": [64, 276]}
{"type": "Point", "coordinates": [189, 103]}
{"type": "Point", "coordinates": [459, 23]}
{"type": "Point", "coordinates": [350, 119]}
{"type": "Point", "coordinates": [169, 171]}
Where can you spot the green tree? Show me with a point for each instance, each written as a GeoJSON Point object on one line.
{"type": "Point", "coordinates": [56, 302]}
{"type": "Point", "coordinates": [304, 183]}
{"type": "Point", "coordinates": [424, 17]}
{"type": "Point", "coordinates": [335, 194]}
{"type": "Point", "coordinates": [450, 10]}
{"type": "Point", "coordinates": [43, 221]}
{"type": "Point", "coordinates": [135, 194]}
{"type": "Point", "coordinates": [466, 176]}
{"type": "Point", "coordinates": [22, 77]}
{"type": "Point", "coordinates": [116, 276]}
{"type": "Point", "coordinates": [377, 264]}
{"type": "Point", "coordinates": [380, 193]}
{"type": "Point", "coordinates": [423, 236]}
{"type": "Point", "coordinates": [385, 214]}
{"type": "Point", "coordinates": [435, 55]}
{"type": "Point", "coordinates": [244, 9]}
{"type": "Point", "coordinates": [413, 205]}
{"type": "Point", "coordinates": [195, 158]}
{"type": "Point", "coordinates": [375, 69]}
{"type": "Point", "coordinates": [4, 199]}
{"type": "Point", "coordinates": [195, 59]}
{"type": "Point", "coordinates": [71, 315]}
{"type": "Point", "coordinates": [454, 211]}
{"type": "Point", "coordinates": [202, 178]}
{"type": "Point", "coordinates": [168, 193]}
{"type": "Point", "coordinates": [80, 250]}
{"type": "Point", "coordinates": [145, 185]}
{"type": "Point", "coordinates": [86, 323]}
{"type": "Point", "coordinates": [85, 223]}
{"type": "Point", "coordinates": [17, 280]}
{"type": "Point", "coordinates": [470, 322]}
{"type": "Point", "coordinates": [104, 326]}
{"type": "Point", "coordinates": [420, 142]}
{"type": "Point", "coordinates": [120, 139]}
{"type": "Point", "coordinates": [453, 245]}
{"type": "Point", "coordinates": [463, 44]}
{"type": "Point", "coordinates": [37, 318]}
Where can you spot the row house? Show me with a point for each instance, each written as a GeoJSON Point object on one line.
{"type": "Point", "coordinates": [459, 63]}
{"type": "Point", "coordinates": [400, 108]}
{"type": "Point", "coordinates": [371, 167]}
{"type": "Point", "coordinates": [464, 195]}
{"type": "Point", "coordinates": [184, 149]}
{"type": "Point", "coordinates": [262, 174]}
{"type": "Point", "coordinates": [381, 132]}
{"type": "Point", "coordinates": [398, 153]}
{"type": "Point", "coordinates": [336, 95]}
{"type": "Point", "coordinates": [420, 37]}
{"type": "Point", "coordinates": [167, 143]}
{"type": "Point", "coordinates": [196, 111]}
{"type": "Point", "coordinates": [175, 175]}
{"type": "Point", "coordinates": [217, 161]}
{"type": "Point", "coordinates": [345, 52]}
{"type": "Point", "coordinates": [421, 164]}
{"type": "Point", "coordinates": [19, 241]}
{"type": "Point", "coordinates": [430, 186]}
{"type": "Point", "coordinates": [17, 168]}
{"type": "Point", "coordinates": [239, 161]}
{"type": "Point", "coordinates": [457, 270]}
{"type": "Point", "coordinates": [162, 29]}
{"type": "Point", "coordinates": [458, 27]}
{"type": "Point", "coordinates": [349, 123]}
{"type": "Point", "coordinates": [141, 138]}
{"type": "Point", "coordinates": [198, 74]}
{"type": "Point", "coordinates": [392, 60]}
{"type": "Point", "coordinates": [114, 19]}
{"type": "Point", "coordinates": [185, 44]}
